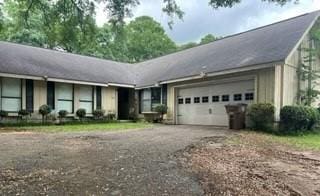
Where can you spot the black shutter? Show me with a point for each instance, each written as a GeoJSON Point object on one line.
{"type": "Point", "coordinates": [140, 101]}
{"type": "Point", "coordinates": [164, 94]}
{"type": "Point", "coordinates": [98, 89]}
{"type": "Point", "coordinates": [50, 94]}
{"type": "Point", "coordinates": [29, 95]}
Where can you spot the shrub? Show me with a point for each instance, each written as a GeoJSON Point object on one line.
{"type": "Point", "coordinates": [297, 119]}
{"type": "Point", "coordinates": [23, 113]}
{"type": "Point", "coordinates": [62, 114]}
{"type": "Point", "coordinates": [261, 116]}
{"type": "Point", "coordinates": [44, 110]}
{"type": "Point", "coordinates": [98, 113]}
{"type": "Point", "coordinates": [111, 116]}
{"type": "Point", "coordinates": [3, 114]}
{"type": "Point", "coordinates": [81, 113]}
{"type": "Point", "coordinates": [161, 109]}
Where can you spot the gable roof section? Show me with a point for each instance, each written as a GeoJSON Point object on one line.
{"type": "Point", "coordinates": [32, 61]}
{"type": "Point", "coordinates": [271, 43]}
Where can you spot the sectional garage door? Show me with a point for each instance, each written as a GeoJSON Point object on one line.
{"type": "Point", "coordinates": [205, 105]}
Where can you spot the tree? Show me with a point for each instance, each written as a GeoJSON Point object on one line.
{"type": "Point", "coordinates": [207, 39]}
{"type": "Point", "coordinates": [44, 110]}
{"type": "Point", "coordinates": [306, 71]}
{"type": "Point", "coordinates": [188, 45]}
{"type": "Point", "coordinates": [147, 39]}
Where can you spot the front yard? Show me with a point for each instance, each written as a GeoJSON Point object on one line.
{"type": "Point", "coordinates": [257, 164]}
{"type": "Point", "coordinates": [78, 127]}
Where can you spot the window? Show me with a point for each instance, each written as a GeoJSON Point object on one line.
{"type": "Point", "coordinates": [237, 97]}
{"type": "Point", "coordinates": [29, 95]}
{"type": "Point", "coordinates": [98, 92]}
{"type": "Point", "coordinates": [205, 99]}
{"type": "Point", "coordinates": [155, 97]}
{"type": "Point", "coordinates": [86, 98]}
{"type": "Point", "coordinates": [188, 100]}
{"type": "Point", "coordinates": [145, 103]}
{"type": "Point", "coordinates": [64, 93]}
{"type": "Point", "coordinates": [215, 98]}
{"type": "Point", "coordinates": [50, 95]}
{"type": "Point", "coordinates": [249, 96]}
{"type": "Point", "coordinates": [196, 100]}
{"type": "Point", "coordinates": [180, 101]}
{"type": "Point", "coordinates": [11, 94]}
{"type": "Point", "coordinates": [225, 97]}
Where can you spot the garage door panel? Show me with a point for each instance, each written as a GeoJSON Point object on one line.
{"type": "Point", "coordinates": [211, 113]}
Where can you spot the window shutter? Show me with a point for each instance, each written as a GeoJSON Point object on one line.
{"type": "Point", "coordinates": [98, 91]}
{"type": "Point", "coordinates": [50, 94]}
{"type": "Point", "coordinates": [29, 95]}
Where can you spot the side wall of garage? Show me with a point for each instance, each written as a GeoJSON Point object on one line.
{"type": "Point", "coordinates": [264, 87]}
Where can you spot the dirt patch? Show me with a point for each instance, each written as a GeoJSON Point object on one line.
{"type": "Point", "coordinates": [252, 166]}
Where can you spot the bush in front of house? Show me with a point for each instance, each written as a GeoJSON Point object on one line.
{"type": "Point", "coordinates": [111, 116]}
{"type": "Point", "coordinates": [3, 114]}
{"type": "Point", "coordinates": [23, 113]}
{"type": "Point", "coordinates": [44, 110]}
{"type": "Point", "coordinates": [298, 119]}
{"type": "Point", "coordinates": [98, 114]}
{"type": "Point", "coordinates": [81, 113]}
{"type": "Point", "coordinates": [161, 109]}
{"type": "Point", "coordinates": [261, 116]}
{"type": "Point", "coordinates": [62, 114]}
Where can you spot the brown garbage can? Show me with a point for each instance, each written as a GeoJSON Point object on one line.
{"type": "Point", "coordinates": [237, 116]}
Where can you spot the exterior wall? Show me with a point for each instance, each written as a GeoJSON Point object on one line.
{"type": "Point", "coordinates": [109, 99]}
{"type": "Point", "coordinates": [264, 87]}
{"type": "Point", "coordinates": [290, 76]}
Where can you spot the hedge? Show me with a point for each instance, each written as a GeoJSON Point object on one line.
{"type": "Point", "coordinates": [298, 119]}
{"type": "Point", "coordinates": [261, 117]}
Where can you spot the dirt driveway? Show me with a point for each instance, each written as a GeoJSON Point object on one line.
{"type": "Point", "coordinates": [140, 162]}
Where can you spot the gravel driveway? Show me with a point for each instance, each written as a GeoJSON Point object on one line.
{"type": "Point", "coordinates": [139, 162]}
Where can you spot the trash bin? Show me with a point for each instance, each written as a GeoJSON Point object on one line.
{"type": "Point", "coordinates": [237, 116]}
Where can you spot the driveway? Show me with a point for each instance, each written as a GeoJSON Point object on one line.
{"type": "Point", "coordinates": [139, 162]}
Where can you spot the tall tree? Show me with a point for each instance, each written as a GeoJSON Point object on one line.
{"type": "Point", "coordinates": [147, 39]}
{"type": "Point", "coordinates": [207, 39]}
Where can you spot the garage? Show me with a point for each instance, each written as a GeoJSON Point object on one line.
{"type": "Point", "coordinates": [205, 104]}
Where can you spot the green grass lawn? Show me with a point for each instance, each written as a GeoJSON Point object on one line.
{"type": "Point", "coordinates": [308, 141]}
{"type": "Point", "coordinates": [79, 127]}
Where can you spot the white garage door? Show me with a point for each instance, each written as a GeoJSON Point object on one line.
{"type": "Point", "coordinates": [205, 105]}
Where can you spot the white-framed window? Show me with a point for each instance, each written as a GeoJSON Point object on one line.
{"type": "Point", "coordinates": [86, 98]}
{"type": "Point", "coordinates": [196, 100]}
{"type": "Point", "coordinates": [188, 100]}
{"type": "Point", "coordinates": [215, 98]}
{"type": "Point", "coordinates": [237, 97]}
{"type": "Point", "coordinates": [11, 94]}
{"type": "Point", "coordinates": [249, 96]}
{"type": "Point", "coordinates": [225, 98]}
{"type": "Point", "coordinates": [64, 94]}
{"type": "Point", "coordinates": [146, 100]}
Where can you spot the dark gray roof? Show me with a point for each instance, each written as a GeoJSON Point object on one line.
{"type": "Point", "coordinates": [33, 61]}
{"type": "Point", "coordinates": [271, 43]}
{"type": "Point", "coordinates": [258, 46]}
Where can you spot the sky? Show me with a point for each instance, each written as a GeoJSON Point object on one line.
{"type": "Point", "coordinates": [200, 19]}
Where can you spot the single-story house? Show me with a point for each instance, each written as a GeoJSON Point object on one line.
{"type": "Point", "coordinates": [256, 66]}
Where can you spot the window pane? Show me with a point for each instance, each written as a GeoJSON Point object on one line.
{"type": "Point", "coordinates": [215, 98]}
{"type": "Point", "coordinates": [85, 93]}
{"type": "Point", "coordinates": [205, 99]}
{"type": "Point", "coordinates": [64, 91]}
{"type": "Point", "coordinates": [11, 87]}
{"type": "Point", "coordinates": [225, 97]}
{"type": "Point", "coordinates": [146, 94]}
{"type": "Point", "coordinates": [188, 100]}
{"type": "Point", "coordinates": [11, 105]}
{"type": "Point", "coordinates": [156, 95]}
{"type": "Point", "coordinates": [237, 97]}
{"type": "Point", "coordinates": [180, 101]}
{"type": "Point", "coordinates": [249, 96]}
{"type": "Point", "coordinates": [146, 105]}
{"type": "Point", "coordinates": [65, 105]}
{"type": "Point", "coordinates": [196, 100]}
{"type": "Point", "coordinates": [87, 106]}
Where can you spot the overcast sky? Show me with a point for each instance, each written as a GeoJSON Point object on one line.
{"type": "Point", "coordinates": [200, 19]}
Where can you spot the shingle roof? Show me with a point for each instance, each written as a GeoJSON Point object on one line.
{"type": "Point", "coordinates": [33, 61]}
{"type": "Point", "coordinates": [271, 43]}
